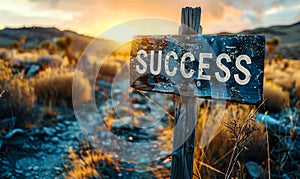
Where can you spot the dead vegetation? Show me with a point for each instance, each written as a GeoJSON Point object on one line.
{"type": "Point", "coordinates": [88, 163]}
{"type": "Point", "coordinates": [54, 86]}
{"type": "Point", "coordinates": [237, 137]}
{"type": "Point", "coordinates": [231, 150]}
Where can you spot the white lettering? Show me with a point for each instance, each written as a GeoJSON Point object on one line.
{"type": "Point", "coordinates": [223, 68]}
{"type": "Point", "coordinates": [182, 65]}
{"type": "Point", "coordinates": [171, 68]}
{"type": "Point", "coordinates": [157, 71]}
{"type": "Point", "coordinates": [242, 69]}
{"type": "Point", "coordinates": [143, 69]}
{"type": "Point", "coordinates": [169, 54]}
{"type": "Point", "coordinates": [203, 65]}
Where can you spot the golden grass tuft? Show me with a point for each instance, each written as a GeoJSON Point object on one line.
{"type": "Point", "coordinates": [296, 78]}
{"type": "Point", "coordinates": [54, 86]}
{"type": "Point", "coordinates": [214, 159]}
{"type": "Point", "coordinates": [85, 163]}
{"type": "Point", "coordinates": [283, 80]}
{"type": "Point", "coordinates": [276, 98]}
{"type": "Point", "coordinates": [19, 98]}
{"type": "Point", "coordinates": [109, 70]}
{"type": "Point", "coordinates": [83, 166]}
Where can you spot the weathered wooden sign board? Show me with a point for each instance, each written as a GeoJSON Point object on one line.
{"type": "Point", "coordinates": [206, 66]}
{"type": "Point", "coordinates": [220, 67]}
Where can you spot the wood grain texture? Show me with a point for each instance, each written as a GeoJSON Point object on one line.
{"type": "Point", "coordinates": [184, 137]}
{"type": "Point", "coordinates": [185, 119]}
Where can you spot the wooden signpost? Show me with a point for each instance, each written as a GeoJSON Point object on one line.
{"type": "Point", "coordinates": [191, 65]}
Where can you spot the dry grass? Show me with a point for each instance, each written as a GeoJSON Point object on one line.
{"type": "Point", "coordinates": [276, 98]}
{"type": "Point", "coordinates": [282, 85]}
{"type": "Point", "coordinates": [283, 79]}
{"type": "Point", "coordinates": [85, 164]}
{"type": "Point", "coordinates": [54, 86]}
{"type": "Point", "coordinates": [19, 98]}
{"type": "Point", "coordinates": [296, 78]}
{"type": "Point", "coordinates": [109, 70]}
{"type": "Point", "coordinates": [238, 139]}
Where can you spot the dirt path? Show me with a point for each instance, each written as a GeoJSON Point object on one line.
{"type": "Point", "coordinates": [41, 151]}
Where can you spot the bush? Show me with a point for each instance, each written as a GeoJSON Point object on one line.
{"type": "Point", "coordinates": [296, 78]}
{"type": "Point", "coordinates": [271, 47]}
{"type": "Point", "coordinates": [54, 86]}
{"type": "Point", "coordinates": [109, 70]}
{"type": "Point", "coordinates": [46, 44]}
{"type": "Point", "coordinates": [213, 160]}
{"type": "Point", "coordinates": [49, 61]}
{"type": "Point", "coordinates": [276, 98]}
{"type": "Point", "coordinates": [18, 98]}
{"type": "Point", "coordinates": [87, 162]}
{"type": "Point", "coordinates": [283, 80]}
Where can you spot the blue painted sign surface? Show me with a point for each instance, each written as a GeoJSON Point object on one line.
{"type": "Point", "coordinates": [206, 66]}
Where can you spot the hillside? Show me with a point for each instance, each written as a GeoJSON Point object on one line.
{"type": "Point", "coordinates": [35, 35]}
{"type": "Point", "coordinates": [289, 36]}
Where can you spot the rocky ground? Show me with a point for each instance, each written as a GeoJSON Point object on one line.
{"type": "Point", "coordinates": [284, 144]}
{"type": "Point", "coordinates": [43, 151]}
{"type": "Point", "coordinates": [40, 152]}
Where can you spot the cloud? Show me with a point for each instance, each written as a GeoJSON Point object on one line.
{"type": "Point", "coordinates": [93, 16]}
{"type": "Point", "coordinates": [261, 9]}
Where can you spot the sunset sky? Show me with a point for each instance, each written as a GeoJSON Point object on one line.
{"type": "Point", "coordinates": [93, 17]}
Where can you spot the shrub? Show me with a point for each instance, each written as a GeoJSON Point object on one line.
{"type": "Point", "coordinates": [54, 86]}
{"type": "Point", "coordinates": [5, 54]}
{"type": "Point", "coordinates": [283, 80]}
{"type": "Point", "coordinates": [271, 47]}
{"type": "Point", "coordinates": [49, 61]}
{"type": "Point", "coordinates": [19, 98]}
{"type": "Point", "coordinates": [212, 160]}
{"type": "Point", "coordinates": [15, 45]}
{"type": "Point", "coordinates": [109, 70]}
{"type": "Point", "coordinates": [296, 78]}
{"type": "Point", "coordinates": [46, 44]}
{"type": "Point", "coordinates": [65, 43]}
{"type": "Point", "coordinates": [276, 98]}
{"type": "Point", "coordinates": [295, 64]}
{"type": "Point", "coordinates": [269, 72]}
{"type": "Point", "coordinates": [86, 163]}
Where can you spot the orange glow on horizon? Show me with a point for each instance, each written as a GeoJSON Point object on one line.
{"type": "Point", "coordinates": [125, 31]}
{"type": "Point", "coordinates": [96, 17]}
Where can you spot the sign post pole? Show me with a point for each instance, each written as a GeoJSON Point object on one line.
{"type": "Point", "coordinates": [185, 109]}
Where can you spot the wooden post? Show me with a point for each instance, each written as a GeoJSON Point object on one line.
{"type": "Point", "coordinates": [185, 110]}
{"type": "Point", "coordinates": [243, 84]}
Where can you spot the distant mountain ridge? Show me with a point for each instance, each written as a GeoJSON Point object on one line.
{"type": "Point", "coordinates": [289, 38]}
{"type": "Point", "coordinates": [279, 29]}
{"type": "Point", "coordinates": [36, 35]}
{"type": "Point", "coordinates": [288, 34]}
{"type": "Point", "coordinates": [292, 31]}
